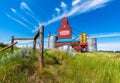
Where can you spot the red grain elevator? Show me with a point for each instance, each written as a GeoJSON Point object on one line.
{"type": "Point", "coordinates": [65, 37]}
{"type": "Point", "coordinates": [65, 30]}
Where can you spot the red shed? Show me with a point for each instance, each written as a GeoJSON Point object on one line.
{"type": "Point", "coordinates": [65, 30]}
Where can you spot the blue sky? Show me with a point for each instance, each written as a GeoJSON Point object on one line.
{"type": "Point", "coordinates": [99, 18]}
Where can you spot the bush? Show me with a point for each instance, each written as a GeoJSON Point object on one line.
{"type": "Point", "coordinates": [2, 44]}
{"type": "Point", "coordinates": [17, 67]}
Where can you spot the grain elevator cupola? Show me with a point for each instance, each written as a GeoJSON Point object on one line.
{"type": "Point", "coordinates": [65, 30]}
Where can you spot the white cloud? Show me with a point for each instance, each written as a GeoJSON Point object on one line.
{"type": "Point", "coordinates": [105, 46]}
{"type": "Point", "coordinates": [32, 16]}
{"type": "Point", "coordinates": [28, 11]}
{"type": "Point", "coordinates": [83, 7]}
{"type": "Point", "coordinates": [22, 43]}
{"type": "Point", "coordinates": [86, 6]}
{"type": "Point", "coordinates": [52, 20]}
{"type": "Point", "coordinates": [7, 42]}
{"type": "Point", "coordinates": [63, 5]}
{"type": "Point", "coordinates": [80, 8]}
{"type": "Point", "coordinates": [53, 15]}
{"type": "Point", "coordinates": [46, 42]}
{"type": "Point", "coordinates": [75, 2]}
{"type": "Point", "coordinates": [58, 11]}
{"type": "Point", "coordinates": [16, 20]}
{"type": "Point", "coordinates": [22, 17]}
{"type": "Point", "coordinates": [13, 10]}
{"type": "Point", "coordinates": [115, 34]}
{"type": "Point", "coordinates": [23, 5]}
{"type": "Point", "coordinates": [28, 43]}
{"type": "Point", "coordinates": [35, 29]}
{"type": "Point", "coordinates": [109, 46]}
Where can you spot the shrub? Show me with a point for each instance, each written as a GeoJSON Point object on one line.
{"type": "Point", "coordinates": [17, 67]}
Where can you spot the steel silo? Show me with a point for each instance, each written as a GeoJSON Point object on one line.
{"type": "Point", "coordinates": [51, 41]}
{"type": "Point", "coordinates": [92, 44]}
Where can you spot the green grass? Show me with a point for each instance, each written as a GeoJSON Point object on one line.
{"type": "Point", "coordinates": [92, 69]}
{"type": "Point", "coordinates": [7, 51]}
{"type": "Point", "coordinates": [60, 67]}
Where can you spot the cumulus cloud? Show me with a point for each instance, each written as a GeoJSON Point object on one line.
{"type": "Point", "coordinates": [75, 2]}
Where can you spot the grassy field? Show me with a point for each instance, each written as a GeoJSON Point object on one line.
{"type": "Point", "coordinates": [60, 67]}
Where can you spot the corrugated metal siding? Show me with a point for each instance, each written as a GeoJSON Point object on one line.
{"type": "Point", "coordinates": [51, 41]}
{"type": "Point", "coordinates": [92, 44]}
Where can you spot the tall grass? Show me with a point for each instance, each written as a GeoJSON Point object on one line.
{"type": "Point", "coordinates": [96, 67]}
{"type": "Point", "coordinates": [7, 51]}
{"type": "Point", "coordinates": [60, 67]}
{"type": "Point", "coordinates": [17, 66]}
{"type": "Point", "coordinates": [92, 69]}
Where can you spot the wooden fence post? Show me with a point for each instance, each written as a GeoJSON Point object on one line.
{"type": "Point", "coordinates": [8, 46]}
{"type": "Point", "coordinates": [34, 46]}
{"type": "Point", "coordinates": [12, 42]}
{"type": "Point", "coordinates": [41, 48]}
